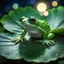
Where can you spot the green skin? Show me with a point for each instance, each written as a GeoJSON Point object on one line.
{"type": "Point", "coordinates": [38, 29]}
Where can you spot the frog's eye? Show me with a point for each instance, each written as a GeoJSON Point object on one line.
{"type": "Point", "coordinates": [32, 19]}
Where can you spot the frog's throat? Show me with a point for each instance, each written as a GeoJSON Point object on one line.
{"type": "Point", "coordinates": [32, 30]}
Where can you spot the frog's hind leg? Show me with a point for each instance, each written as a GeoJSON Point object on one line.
{"type": "Point", "coordinates": [49, 39]}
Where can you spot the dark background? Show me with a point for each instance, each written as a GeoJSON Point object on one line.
{"type": "Point", "coordinates": [6, 6]}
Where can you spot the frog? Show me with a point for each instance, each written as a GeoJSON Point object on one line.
{"type": "Point", "coordinates": [38, 29]}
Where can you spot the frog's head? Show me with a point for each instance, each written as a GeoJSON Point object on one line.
{"type": "Point", "coordinates": [28, 22]}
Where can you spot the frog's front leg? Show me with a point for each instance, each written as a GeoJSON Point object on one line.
{"type": "Point", "coordinates": [23, 35]}
{"type": "Point", "coordinates": [47, 37]}
{"type": "Point", "coordinates": [15, 40]}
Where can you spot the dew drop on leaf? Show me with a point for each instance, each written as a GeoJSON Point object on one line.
{"type": "Point", "coordinates": [56, 54]}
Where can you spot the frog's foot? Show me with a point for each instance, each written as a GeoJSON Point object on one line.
{"type": "Point", "coordinates": [49, 42]}
{"type": "Point", "coordinates": [16, 41]}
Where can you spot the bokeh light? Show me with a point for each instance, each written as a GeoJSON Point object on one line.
{"type": "Point", "coordinates": [54, 3]}
{"type": "Point", "coordinates": [15, 6]}
{"type": "Point", "coordinates": [41, 7]}
{"type": "Point", "coordinates": [45, 13]}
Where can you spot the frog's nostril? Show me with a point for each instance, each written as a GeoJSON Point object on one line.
{"type": "Point", "coordinates": [20, 19]}
{"type": "Point", "coordinates": [23, 17]}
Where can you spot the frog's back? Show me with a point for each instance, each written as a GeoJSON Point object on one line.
{"type": "Point", "coordinates": [43, 24]}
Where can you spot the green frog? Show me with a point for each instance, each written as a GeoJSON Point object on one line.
{"type": "Point", "coordinates": [38, 29]}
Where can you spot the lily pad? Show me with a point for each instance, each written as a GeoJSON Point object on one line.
{"type": "Point", "coordinates": [7, 45]}
{"type": "Point", "coordinates": [30, 50]}
{"type": "Point", "coordinates": [11, 25]}
{"type": "Point", "coordinates": [10, 50]}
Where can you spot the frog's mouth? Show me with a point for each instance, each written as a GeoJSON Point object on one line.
{"type": "Point", "coordinates": [29, 26]}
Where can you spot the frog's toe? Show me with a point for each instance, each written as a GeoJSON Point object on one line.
{"type": "Point", "coordinates": [53, 43]}
{"type": "Point", "coordinates": [49, 42]}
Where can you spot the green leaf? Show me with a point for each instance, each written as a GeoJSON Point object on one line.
{"type": "Point", "coordinates": [32, 51]}
{"type": "Point", "coordinates": [8, 39]}
{"type": "Point", "coordinates": [2, 29]}
{"type": "Point", "coordinates": [53, 52]}
{"type": "Point", "coordinates": [8, 48]}
{"type": "Point", "coordinates": [56, 20]}
{"type": "Point", "coordinates": [11, 25]}
{"type": "Point", "coordinates": [37, 52]}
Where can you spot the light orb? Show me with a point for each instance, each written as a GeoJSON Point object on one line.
{"type": "Point", "coordinates": [45, 13]}
{"type": "Point", "coordinates": [41, 7]}
{"type": "Point", "coordinates": [55, 3]}
{"type": "Point", "coordinates": [15, 6]}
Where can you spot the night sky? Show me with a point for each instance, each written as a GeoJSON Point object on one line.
{"type": "Point", "coordinates": [6, 5]}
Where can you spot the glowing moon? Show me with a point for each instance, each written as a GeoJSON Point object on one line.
{"type": "Point", "coordinates": [41, 7]}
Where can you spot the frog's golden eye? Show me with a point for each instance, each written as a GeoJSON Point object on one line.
{"type": "Point", "coordinates": [32, 19]}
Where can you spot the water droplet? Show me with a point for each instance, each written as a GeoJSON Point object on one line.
{"type": "Point", "coordinates": [15, 40]}
{"type": "Point", "coordinates": [56, 54]}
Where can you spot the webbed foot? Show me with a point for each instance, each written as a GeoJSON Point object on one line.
{"type": "Point", "coordinates": [49, 42]}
